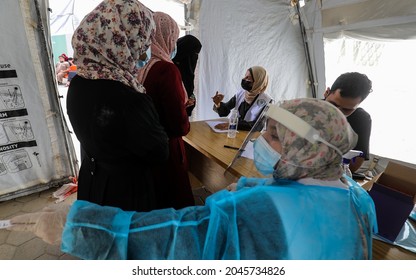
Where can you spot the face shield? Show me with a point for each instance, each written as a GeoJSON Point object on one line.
{"type": "Point", "coordinates": [285, 118]}
{"type": "Point", "coordinates": [244, 156]}
{"type": "Point", "coordinates": [298, 126]}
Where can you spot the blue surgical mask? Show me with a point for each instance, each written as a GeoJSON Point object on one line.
{"type": "Point", "coordinates": [265, 157]}
{"type": "Point", "coordinates": [142, 63]}
{"type": "Point", "coordinates": [172, 55]}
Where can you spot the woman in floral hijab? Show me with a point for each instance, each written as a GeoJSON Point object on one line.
{"type": "Point", "coordinates": [110, 39]}
{"type": "Point", "coordinates": [115, 122]}
{"type": "Point", "coordinates": [302, 159]}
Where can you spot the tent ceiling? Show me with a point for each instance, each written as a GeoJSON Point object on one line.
{"type": "Point", "coordinates": [384, 19]}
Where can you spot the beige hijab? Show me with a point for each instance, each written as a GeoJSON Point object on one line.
{"type": "Point", "coordinates": [261, 81]}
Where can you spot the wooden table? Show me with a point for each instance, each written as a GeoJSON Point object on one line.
{"type": "Point", "coordinates": [208, 160]}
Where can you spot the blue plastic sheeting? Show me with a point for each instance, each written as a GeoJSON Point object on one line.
{"type": "Point", "coordinates": [268, 220]}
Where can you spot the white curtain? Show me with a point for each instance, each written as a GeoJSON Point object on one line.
{"type": "Point", "coordinates": [67, 14]}
{"type": "Point", "coordinates": [236, 35]}
{"type": "Point", "coordinates": [62, 19]}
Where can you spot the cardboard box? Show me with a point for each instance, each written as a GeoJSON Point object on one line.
{"type": "Point", "coordinates": [394, 195]}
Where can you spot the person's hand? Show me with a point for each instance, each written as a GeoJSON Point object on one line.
{"type": "Point", "coordinates": [217, 98]}
{"type": "Point", "coordinates": [190, 102]}
{"type": "Point", "coordinates": [47, 224]}
{"type": "Point", "coordinates": [221, 126]}
{"type": "Point", "coordinates": [232, 187]}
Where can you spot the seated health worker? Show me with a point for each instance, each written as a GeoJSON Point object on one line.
{"type": "Point", "coordinates": [308, 210]}
{"type": "Point", "coordinates": [347, 93]}
{"type": "Point", "coordinates": [250, 100]}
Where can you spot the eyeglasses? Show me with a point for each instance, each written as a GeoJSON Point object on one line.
{"type": "Point", "coordinates": [345, 111]}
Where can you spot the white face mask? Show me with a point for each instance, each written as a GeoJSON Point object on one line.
{"type": "Point", "coordinates": [265, 157]}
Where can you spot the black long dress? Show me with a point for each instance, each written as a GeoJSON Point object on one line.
{"type": "Point", "coordinates": [119, 131]}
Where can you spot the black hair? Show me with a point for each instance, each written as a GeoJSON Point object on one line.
{"type": "Point", "coordinates": [353, 85]}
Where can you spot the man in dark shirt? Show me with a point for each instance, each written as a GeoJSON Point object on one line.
{"type": "Point", "coordinates": [347, 93]}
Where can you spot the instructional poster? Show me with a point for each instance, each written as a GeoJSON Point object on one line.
{"type": "Point", "coordinates": [32, 139]}
{"type": "Point", "coordinates": [16, 131]}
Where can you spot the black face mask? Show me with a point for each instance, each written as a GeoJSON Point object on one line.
{"type": "Point", "coordinates": [246, 85]}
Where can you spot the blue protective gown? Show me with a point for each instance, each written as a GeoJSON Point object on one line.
{"type": "Point", "coordinates": [264, 219]}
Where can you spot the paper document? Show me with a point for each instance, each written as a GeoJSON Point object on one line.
{"type": "Point", "coordinates": [5, 224]}
{"type": "Point", "coordinates": [248, 150]}
{"type": "Point", "coordinates": [212, 125]}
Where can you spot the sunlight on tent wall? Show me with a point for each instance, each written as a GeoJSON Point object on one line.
{"type": "Point", "coordinates": [391, 104]}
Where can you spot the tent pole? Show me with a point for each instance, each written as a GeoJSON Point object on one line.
{"type": "Point", "coordinates": [307, 54]}
{"type": "Point", "coordinates": [72, 158]}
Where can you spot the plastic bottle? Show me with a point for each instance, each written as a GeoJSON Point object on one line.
{"type": "Point", "coordinates": [346, 167]}
{"type": "Point", "coordinates": [232, 123]}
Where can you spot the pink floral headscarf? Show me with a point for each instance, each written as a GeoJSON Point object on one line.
{"type": "Point", "coordinates": [302, 159]}
{"type": "Point", "coordinates": [163, 42]}
{"type": "Point", "coordinates": [108, 42]}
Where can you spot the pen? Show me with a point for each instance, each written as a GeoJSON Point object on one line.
{"type": "Point", "coordinates": [231, 147]}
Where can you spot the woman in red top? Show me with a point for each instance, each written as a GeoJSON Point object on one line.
{"type": "Point", "coordinates": [112, 117]}
{"type": "Point", "coordinates": [163, 83]}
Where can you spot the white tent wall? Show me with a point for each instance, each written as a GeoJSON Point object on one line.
{"type": "Point", "coordinates": [63, 20]}
{"type": "Point", "coordinates": [66, 15]}
{"type": "Point", "coordinates": [238, 34]}
{"type": "Point", "coordinates": [35, 148]}
{"type": "Point", "coordinates": [374, 19]}
{"type": "Point", "coordinates": [361, 19]}
{"type": "Point", "coordinates": [377, 38]}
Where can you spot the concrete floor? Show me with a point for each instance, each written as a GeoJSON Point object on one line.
{"type": "Point", "coordinates": [17, 245]}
